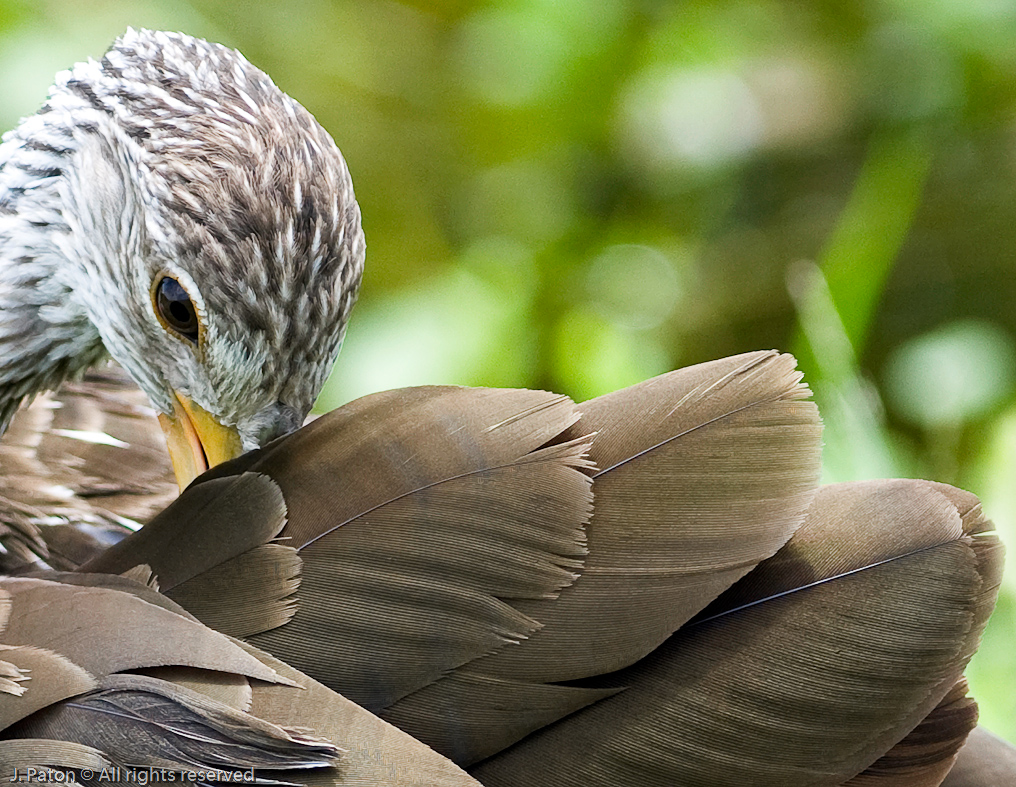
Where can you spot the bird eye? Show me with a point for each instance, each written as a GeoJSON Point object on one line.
{"type": "Point", "coordinates": [175, 308]}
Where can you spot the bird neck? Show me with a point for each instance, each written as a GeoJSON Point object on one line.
{"type": "Point", "coordinates": [45, 334]}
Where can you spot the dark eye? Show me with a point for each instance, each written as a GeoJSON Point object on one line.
{"type": "Point", "coordinates": [175, 307]}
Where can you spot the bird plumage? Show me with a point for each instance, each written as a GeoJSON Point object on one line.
{"type": "Point", "coordinates": [80, 469]}
{"type": "Point", "coordinates": [986, 761]}
{"type": "Point", "coordinates": [159, 690]}
{"type": "Point", "coordinates": [647, 588]}
{"type": "Point", "coordinates": [172, 156]}
{"type": "Point", "coordinates": [706, 621]}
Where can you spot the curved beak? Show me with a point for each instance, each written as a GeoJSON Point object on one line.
{"type": "Point", "coordinates": [196, 440]}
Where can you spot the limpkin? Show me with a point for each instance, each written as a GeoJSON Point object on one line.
{"type": "Point", "coordinates": [643, 589]}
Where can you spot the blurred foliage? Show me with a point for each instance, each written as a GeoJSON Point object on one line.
{"type": "Point", "coordinates": [579, 194]}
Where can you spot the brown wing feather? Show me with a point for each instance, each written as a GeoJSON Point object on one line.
{"type": "Point", "coordinates": [925, 756]}
{"type": "Point", "coordinates": [79, 469]}
{"type": "Point", "coordinates": [984, 761]}
{"type": "Point", "coordinates": [76, 707]}
{"type": "Point", "coordinates": [451, 576]}
{"type": "Point", "coordinates": [782, 685]}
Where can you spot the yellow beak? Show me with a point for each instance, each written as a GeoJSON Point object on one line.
{"type": "Point", "coordinates": [196, 440]}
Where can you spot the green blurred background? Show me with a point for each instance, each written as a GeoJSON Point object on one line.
{"type": "Point", "coordinates": [579, 194]}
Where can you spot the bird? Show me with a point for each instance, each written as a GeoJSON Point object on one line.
{"type": "Point", "coordinates": [646, 588]}
{"type": "Point", "coordinates": [170, 207]}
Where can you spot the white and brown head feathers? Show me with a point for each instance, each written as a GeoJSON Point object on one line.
{"type": "Point", "coordinates": [173, 157]}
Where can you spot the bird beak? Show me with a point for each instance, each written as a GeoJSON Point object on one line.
{"type": "Point", "coordinates": [196, 440]}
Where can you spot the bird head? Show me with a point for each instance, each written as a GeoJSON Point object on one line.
{"type": "Point", "coordinates": [175, 206]}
